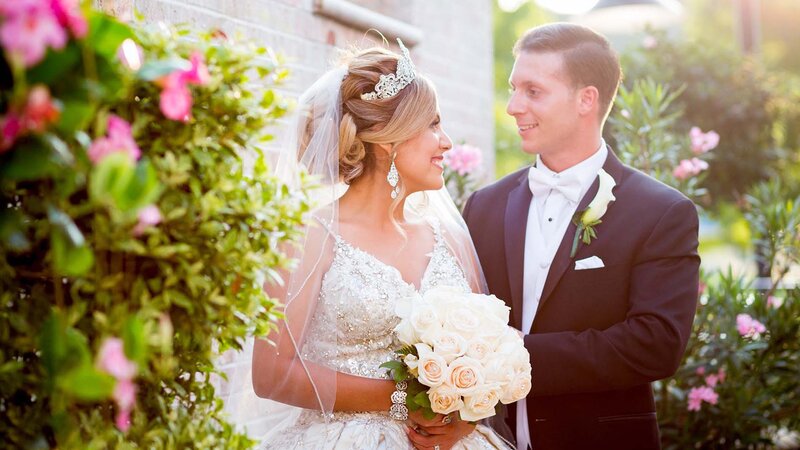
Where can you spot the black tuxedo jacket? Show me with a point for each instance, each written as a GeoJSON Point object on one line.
{"type": "Point", "coordinates": [600, 336]}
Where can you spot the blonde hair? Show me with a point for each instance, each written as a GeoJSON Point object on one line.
{"type": "Point", "coordinates": [383, 121]}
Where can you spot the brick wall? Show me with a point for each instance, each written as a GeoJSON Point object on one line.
{"type": "Point", "coordinates": [455, 52]}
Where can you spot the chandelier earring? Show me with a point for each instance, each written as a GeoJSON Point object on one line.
{"type": "Point", "coordinates": [393, 177]}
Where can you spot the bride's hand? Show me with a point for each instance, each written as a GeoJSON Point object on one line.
{"type": "Point", "coordinates": [439, 433]}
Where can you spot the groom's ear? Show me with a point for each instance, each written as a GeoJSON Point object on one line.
{"type": "Point", "coordinates": [588, 100]}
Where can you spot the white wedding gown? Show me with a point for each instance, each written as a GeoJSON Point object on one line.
{"type": "Point", "coordinates": [351, 331]}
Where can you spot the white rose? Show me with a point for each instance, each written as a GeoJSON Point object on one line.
{"type": "Point", "coordinates": [515, 354]}
{"type": "Point", "coordinates": [481, 404]}
{"type": "Point", "coordinates": [432, 367]}
{"type": "Point", "coordinates": [405, 333]}
{"type": "Point", "coordinates": [463, 321]}
{"type": "Point", "coordinates": [465, 375]}
{"type": "Point", "coordinates": [597, 208]}
{"type": "Point", "coordinates": [424, 318]}
{"type": "Point", "coordinates": [444, 399]}
{"type": "Point", "coordinates": [442, 294]}
{"type": "Point", "coordinates": [449, 345]}
{"type": "Point", "coordinates": [412, 362]}
{"type": "Point", "coordinates": [494, 306]}
{"type": "Point", "coordinates": [497, 369]}
{"type": "Point", "coordinates": [479, 348]}
{"type": "Point", "coordinates": [518, 388]}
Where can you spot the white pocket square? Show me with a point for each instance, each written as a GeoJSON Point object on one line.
{"type": "Point", "coordinates": [592, 262]}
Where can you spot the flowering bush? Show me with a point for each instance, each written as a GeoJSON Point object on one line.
{"type": "Point", "coordinates": [738, 386]}
{"type": "Point", "coordinates": [138, 221]}
{"type": "Point", "coordinates": [645, 129]}
{"type": "Point", "coordinates": [462, 167]}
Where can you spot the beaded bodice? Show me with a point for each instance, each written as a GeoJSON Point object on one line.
{"type": "Point", "coordinates": [352, 328]}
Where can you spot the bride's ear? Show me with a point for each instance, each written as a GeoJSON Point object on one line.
{"type": "Point", "coordinates": [383, 152]}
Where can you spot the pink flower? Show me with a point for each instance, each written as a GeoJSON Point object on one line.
{"type": "Point", "coordinates": [10, 129]}
{"type": "Point", "coordinates": [118, 139]}
{"type": "Point", "coordinates": [198, 74]}
{"type": "Point", "coordinates": [703, 142]}
{"type": "Point", "coordinates": [176, 103]}
{"type": "Point", "coordinates": [464, 159]}
{"type": "Point", "coordinates": [40, 110]}
{"type": "Point", "coordinates": [176, 99]}
{"type": "Point", "coordinates": [711, 380]}
{"type": "Point", "coordinates": [701, 394]}
{"type": "Point", "coordinates": [774, 302]}
{"type": "Point", "coordinates": [69, 15]}
{"type": "Point", "coordinates": [148, 216]}
{"type": "Point", "coordinates": [29, 28]}
{"type": "Point", "coordinates": [123, 421]}
{"type": "Point", "coordinates": [721, 375]}
{"type": "Point", "coordinates": [112, 360]}
{"type": "Point", "coordinates": [689, 168]}
{"type": "Point", "coordinates": [649, 42]}
{"type": "Point", "coordinates": [125, 394]}
{"type": "Point", "coordinates": [749, 327]}
{"type": "Point", "coordinates": [700, 370]}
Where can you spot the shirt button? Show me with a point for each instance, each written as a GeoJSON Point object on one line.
{"type": "Point", "coordinates": [544, 264]}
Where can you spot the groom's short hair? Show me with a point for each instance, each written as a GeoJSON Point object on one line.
{"type": "Point", "coordinates": [588, 57]}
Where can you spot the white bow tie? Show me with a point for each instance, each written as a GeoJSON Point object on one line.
{"type": "Point", "coordinates": [541, 183]}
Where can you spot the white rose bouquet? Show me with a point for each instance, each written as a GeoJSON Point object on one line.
{"type": "Point", "coordinates": [459, 354]}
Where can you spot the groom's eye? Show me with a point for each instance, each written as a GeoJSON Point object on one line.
{"type": "Point", "coordinates": [533, 92]}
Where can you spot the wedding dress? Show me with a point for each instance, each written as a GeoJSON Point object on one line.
{"type": "Point", "coordinates": [351, 332]}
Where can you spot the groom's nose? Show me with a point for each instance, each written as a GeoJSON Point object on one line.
{"type": "Point", "coordinates": [514, 106]}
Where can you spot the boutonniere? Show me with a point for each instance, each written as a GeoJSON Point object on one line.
{"type": "Point", "coordinates": [587, 219]}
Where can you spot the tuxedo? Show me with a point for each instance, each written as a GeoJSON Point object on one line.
{"type": "Point", "coordinates": [599, 336]}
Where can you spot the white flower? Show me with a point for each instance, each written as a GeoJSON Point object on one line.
{"type": "Point", "coordinates": [494, 306]}
{"type": "Point", "coordinates": [424, 318]}
{"type": "Point", "coordinates": [432, 367]}
{"type": "Point", "coordinates": [444, 399]}
{"type": "Point", "coordinates": [518, 388]}
{"type": "Point", "coordinates": [479, 348]}
{"type": "Point", "coordinates": [481, 404]}
{"type": "Point", "coordinates": [466, 375]}
{"type": "Point", "coordinates": [597, 208]}
{"type": "Point", "coordinates": [498, 370]}
{"type": "Point", "coordinates": [464, 321]}
{"type": "Point", "coordinates": [412, 362]}
{"type": "Point", "coordinates": [449, 345]}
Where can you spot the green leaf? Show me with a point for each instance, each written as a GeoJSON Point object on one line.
{"type": "Point", "coordinates": [70, 259]}
{"type": "Point", "coordinates": [106, 34]}
{"type": "Point", "coordinates": [75, 116]}
{"type": "Point", "coordinates": [87, 383]}
{"type": "Point", "coordinates": [110, 176]}
{"type": "Point", "coordinates": [30, 159]}
{"type": "Point", "coordinates": [134, 340]}
{"type": "Point", "coordinates": [391, 365]}
{"type": "Point", "coordinates": [141, 190]}
{"type": "Point", "coordinates": [56, 65]}
{"type": "Point", "coordinates": [12, 231]}
{"type": "Point", "coordinates": [153, 70]}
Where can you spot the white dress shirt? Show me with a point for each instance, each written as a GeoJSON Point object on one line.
{"type": "Point", "coordinates": [549, 215]}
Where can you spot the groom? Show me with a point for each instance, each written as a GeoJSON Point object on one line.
{"type": "Point", "coordinates": [603, 322]}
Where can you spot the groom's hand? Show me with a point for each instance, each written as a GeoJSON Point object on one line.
{"type": "Point", "coordinates": [442, 431]}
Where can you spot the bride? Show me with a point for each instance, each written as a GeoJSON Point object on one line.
{"type": "Point", "coordinates": [371, 136]}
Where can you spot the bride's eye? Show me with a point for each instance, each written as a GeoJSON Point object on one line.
{"type": "Point", "coordinates": [436, 123]}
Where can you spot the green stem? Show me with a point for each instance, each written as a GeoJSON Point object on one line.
{"type": "Point", "coordinates": [575, 240]}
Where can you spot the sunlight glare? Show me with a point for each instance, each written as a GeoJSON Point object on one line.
{"type": "Point", "coordinates": [568, 7]}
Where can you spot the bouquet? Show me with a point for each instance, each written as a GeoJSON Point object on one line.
{"type": "Point", "coordinates": [459, 354]}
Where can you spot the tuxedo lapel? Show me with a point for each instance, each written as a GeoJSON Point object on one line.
{"type": "Point", "coordinates": [562, 259]}
{"type": "Point", "coordinates": [515, 224]}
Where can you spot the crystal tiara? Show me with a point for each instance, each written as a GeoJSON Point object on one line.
{"type": "Point", "coordinates": [390, 84]}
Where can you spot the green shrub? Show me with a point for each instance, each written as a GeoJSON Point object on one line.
{"type": "Point", "coordinates": [79, 265]}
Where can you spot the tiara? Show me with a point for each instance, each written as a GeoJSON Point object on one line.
{"type": "Point", "coordinates": [390, 84]}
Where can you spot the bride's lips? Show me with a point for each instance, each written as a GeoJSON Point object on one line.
{"type": "Point", "coordinates": [438, 161]}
